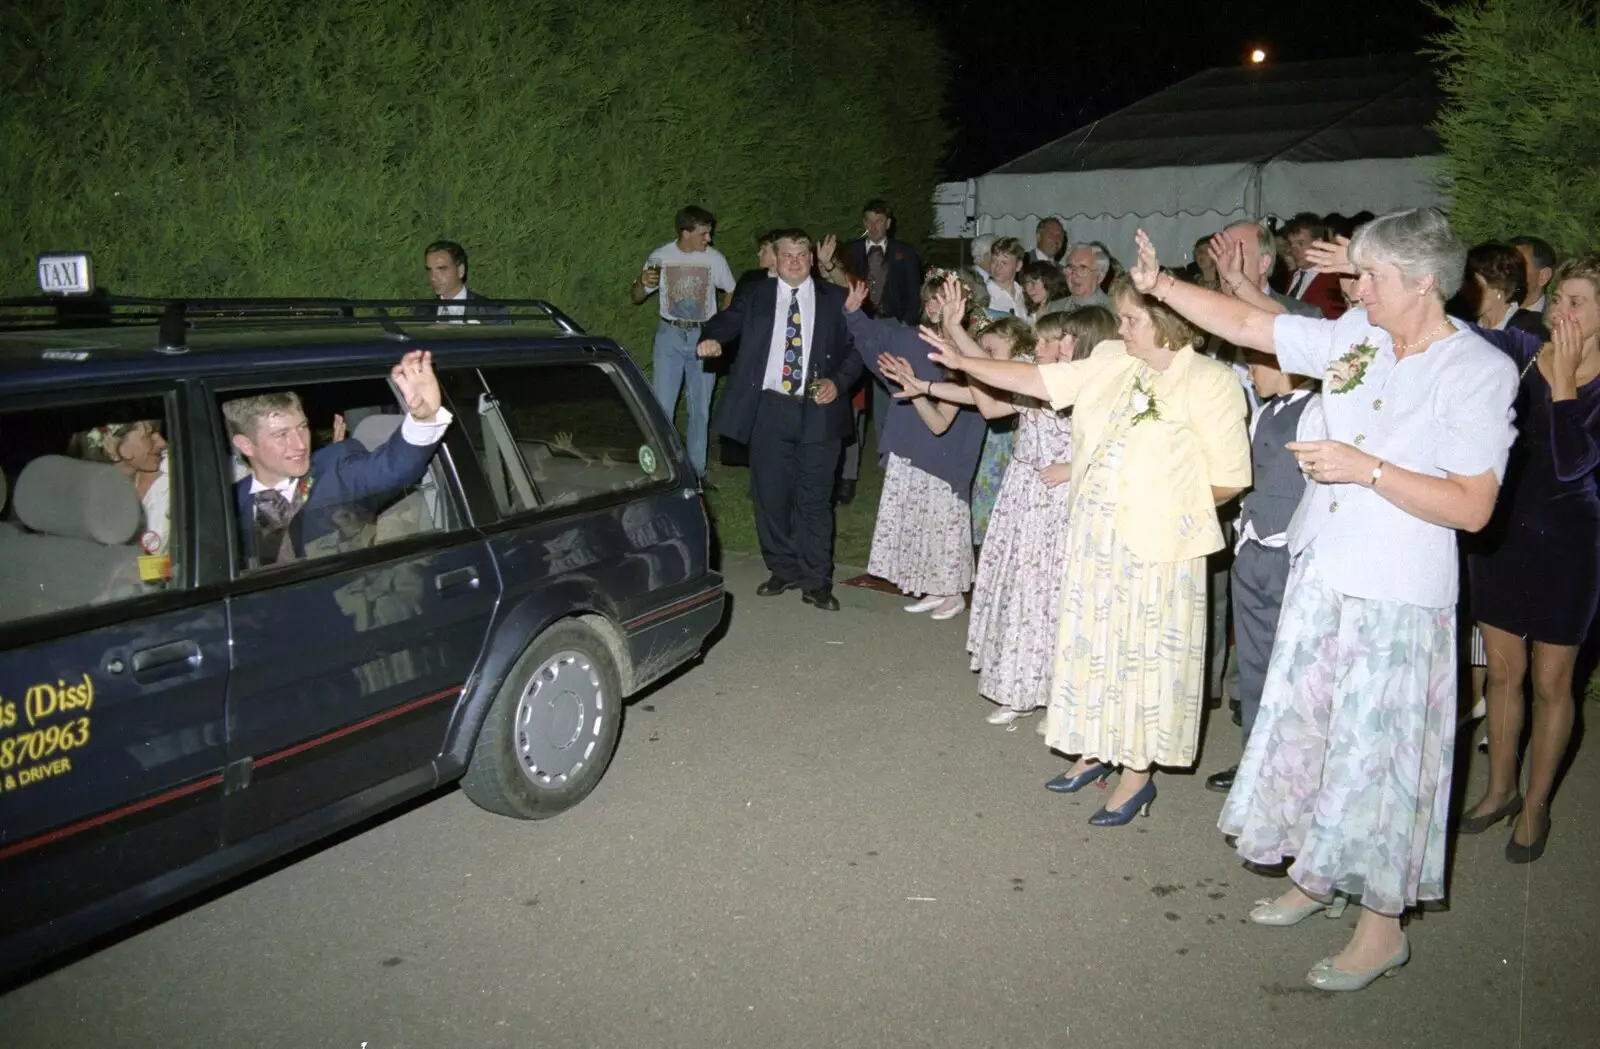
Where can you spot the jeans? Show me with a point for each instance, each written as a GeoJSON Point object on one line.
{"type": "Point", "coordinates": [674, 365]}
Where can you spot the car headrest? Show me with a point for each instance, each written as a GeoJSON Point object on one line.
{"type": "Point", "coordinates": [69, 497]}
{"type": "Point", "coordinates": [373, 430]}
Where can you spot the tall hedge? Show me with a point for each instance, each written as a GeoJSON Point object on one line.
{"type": "Point", "coordinates": [277, 147]}
{"type": "Point", "coordinates": [1521, 128]}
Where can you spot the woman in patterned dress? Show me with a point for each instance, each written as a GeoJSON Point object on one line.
{"type": "Point", "coordinates": [1159, 440]}
{"type": "Point", "coordinates": [1016, 600]}
{"type": "Point", "coordinates": [922, 539]}
{"type": "Point", "coordinates": [1348, 768]}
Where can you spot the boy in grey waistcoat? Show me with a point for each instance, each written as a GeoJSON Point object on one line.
{"type": "Point", "coordinates": [1290, 410]}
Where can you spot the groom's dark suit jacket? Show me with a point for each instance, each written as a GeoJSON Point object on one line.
{"type": "Point", "coordinates": [341, 473]}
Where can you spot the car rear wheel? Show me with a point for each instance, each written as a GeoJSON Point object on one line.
{"type": "Point", "coordinates": [551, 730]}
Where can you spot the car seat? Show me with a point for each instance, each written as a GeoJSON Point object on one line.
{"type": "Point", "coordinates": [76, 544]}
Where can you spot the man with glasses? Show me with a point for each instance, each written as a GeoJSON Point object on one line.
{"type": "Point", "coordinates": [1087, 266]}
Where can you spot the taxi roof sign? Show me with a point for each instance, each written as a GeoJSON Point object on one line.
{"type": "Point", "coordinates": [65, 273]}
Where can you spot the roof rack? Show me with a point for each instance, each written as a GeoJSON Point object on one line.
{"type": "Point", "coordinates": [177, 316]}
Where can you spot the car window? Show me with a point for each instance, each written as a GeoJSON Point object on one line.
{"type": "Point", "coordinates": [86, 504]}
{"type": "Point", "coordinates": [327, 468]}
{"type": "Point", "coordinates": [573, 429]}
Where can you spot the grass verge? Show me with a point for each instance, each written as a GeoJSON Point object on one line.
{"type": "Point", "coordinates": [733, 518]}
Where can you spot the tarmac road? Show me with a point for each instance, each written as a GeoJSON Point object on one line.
{"type": "Point", "coordinates": [813, 839]}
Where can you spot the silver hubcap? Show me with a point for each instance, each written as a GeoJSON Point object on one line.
{"type": "Point", "coordinates": [559, 719]}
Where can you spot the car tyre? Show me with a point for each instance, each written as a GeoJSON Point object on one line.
{"type": "Point", "coordinates": [551, 730]}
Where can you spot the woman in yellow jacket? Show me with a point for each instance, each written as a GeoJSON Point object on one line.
{"type": "Point", "coordinates": [1161, 438]}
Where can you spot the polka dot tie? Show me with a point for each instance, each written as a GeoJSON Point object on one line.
{"type": "Point", "coordinates": [794, 380]}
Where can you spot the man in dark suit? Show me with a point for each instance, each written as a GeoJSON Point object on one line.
{"type": "Point", "coordinates": [446, 263]}
{"type": "Point", "coordinates": [894, 289]}
{"type": "Point", "coordinates": [784, 399]}
{"type": "Point", "coordinates": [293, 495]}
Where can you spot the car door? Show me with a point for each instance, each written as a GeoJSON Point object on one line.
{"type": "Point", "coordinates": [347, 661]}
{"type": "Point", "coordinates": [113, 667]}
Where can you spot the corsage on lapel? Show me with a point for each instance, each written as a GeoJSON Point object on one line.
{"type": "Point", "coordinates": [1346, 373]}
{"type": "Point", "coordinates": [1143, 403]}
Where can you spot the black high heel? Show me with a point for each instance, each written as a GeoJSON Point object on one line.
{"type": "Point", "coordinates": [1516, 852]}
{"type": "Point", "coordinates": [1479, 824]}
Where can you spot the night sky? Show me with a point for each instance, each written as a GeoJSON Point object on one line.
{"type": "Point", "coordinates": [1029, 71]}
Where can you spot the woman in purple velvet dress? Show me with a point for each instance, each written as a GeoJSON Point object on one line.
{"type": "Point", "coordinates": [1537, 579]}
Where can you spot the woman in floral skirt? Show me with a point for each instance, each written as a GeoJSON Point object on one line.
{"type": "Point", "coordinates": [1348, 768]}
{"type": "Point", "coordinates": [922, 540]}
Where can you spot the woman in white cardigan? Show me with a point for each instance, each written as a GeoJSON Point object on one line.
{"type": "Point", "coordinates": [1348, 769]}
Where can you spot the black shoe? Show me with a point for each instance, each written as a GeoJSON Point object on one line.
{"type": "Point", "coordinates": [1276, 870]}
{"type": "Point", "coordinates": [822, 597]}
{"type": "Point", "coordinates": [1238, 718]}
{"type": "Point", "coordinates": [846, 493]}
{"type": "Point", "coordinates": [1479, 824]}
{"type": "Point", "coordinates": [1222, 782]}
{"type": "Point", "coordinates": [1519, 853]}
{"type": "Point", "coordinates": [775, 586]}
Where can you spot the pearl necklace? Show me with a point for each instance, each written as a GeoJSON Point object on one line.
{"type": "Point", "coordinates": [1407, 347]}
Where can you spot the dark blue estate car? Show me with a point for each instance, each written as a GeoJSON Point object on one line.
{"type": "Point", "coordinates": [176, 707]}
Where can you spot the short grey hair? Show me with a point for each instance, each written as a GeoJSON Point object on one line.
{"type": "Point", "coordinates": [1102, 258]}
{"type": "Point", "coordinates": [980, 248]}
{"type": "Point", "coordinates": [1266, 243]}
{"type": "Point", "coordinates": [1418, 242]}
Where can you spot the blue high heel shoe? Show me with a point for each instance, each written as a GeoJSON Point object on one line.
{"type": "Point", "coordinates": [1139, 804]}
{"type": "Point", "coordinates": [1065, 784]}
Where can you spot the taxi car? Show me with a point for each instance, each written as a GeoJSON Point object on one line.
{"type": "Point", "coordinates": [173, 710]}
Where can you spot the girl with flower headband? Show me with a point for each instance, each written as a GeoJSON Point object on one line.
{"type": "Point", "coordinates": [1016, 600]}
{"type": "Point", "coordinates": [139, 450]}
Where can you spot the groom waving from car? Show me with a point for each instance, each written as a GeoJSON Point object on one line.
{"type": "Point", "coordinates": [292, 493]}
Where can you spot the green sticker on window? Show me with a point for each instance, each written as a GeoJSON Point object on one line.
{"type": "Point", "coordinates": [647, 459]}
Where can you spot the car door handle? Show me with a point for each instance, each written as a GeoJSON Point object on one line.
{"type": "Point", "coordinates": [166, 660]}
{"type": "Point", "coordinates": [467, 577]}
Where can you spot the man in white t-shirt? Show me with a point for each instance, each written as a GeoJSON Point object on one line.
{"type": "Point", "coordinates": [694, 281]}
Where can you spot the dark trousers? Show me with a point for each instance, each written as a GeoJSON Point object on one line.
{"type": "Point", "coordinates": [851, 471]}
{"type": "Point", "coordinates": [1222, 673]}
{"type": "Point", "coordinates": [1260, 575]}
{"type": "Point", "coordinates": [791, 488]}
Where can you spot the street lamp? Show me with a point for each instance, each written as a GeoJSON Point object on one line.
{"type": "Point", "coordinates": [1258, 56]}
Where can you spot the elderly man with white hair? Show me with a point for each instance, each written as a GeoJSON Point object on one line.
{"type": "Point", "coordinates": [1087, 266]}
{"type": "Point", "coordinates": [980, 253]}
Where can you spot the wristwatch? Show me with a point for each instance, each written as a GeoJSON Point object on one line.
{"type": "Point", "coordinates": [1377, 472]}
